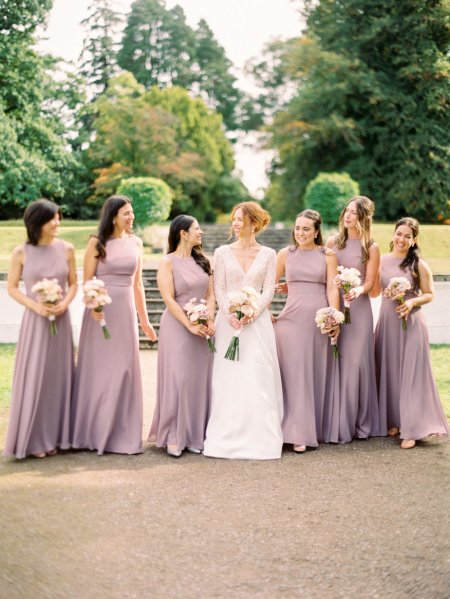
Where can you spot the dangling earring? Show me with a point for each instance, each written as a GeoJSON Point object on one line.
{"type": "Point", "coordinates": [114, 222]}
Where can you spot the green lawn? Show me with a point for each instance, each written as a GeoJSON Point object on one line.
{"type": "Point", "coordinates": [440, 356]}
{"type": "Point", "coordinates": [434, 241]}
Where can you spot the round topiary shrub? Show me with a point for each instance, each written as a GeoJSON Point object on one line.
{"type": "Point", "coordinates": [151, 198]}
{"type": "Point", "coordinates": [328, 193]}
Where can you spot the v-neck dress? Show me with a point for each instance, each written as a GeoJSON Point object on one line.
{"type": "Point", "coordinates": [247, 400]}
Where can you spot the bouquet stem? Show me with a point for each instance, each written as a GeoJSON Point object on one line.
{"type": "Point", "coordinates": [347, 314]}
{"type": "Point", "coordinates": [53, 327]}
{"type": "Point", "coordinates": [212, 347]}
{"type": "Point", "coordinates": [404, 325]}
{"type": "Point", "coordinates": [106, 333]}
{"type": "Point", "coordinates": [335, 349]}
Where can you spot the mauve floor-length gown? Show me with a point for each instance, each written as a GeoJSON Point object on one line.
{"type": "Point", "coordinates": [184, 367]}
{"type": "Point", "coordinates": [107, 409]}
{"type": "Point", "coordinates": [40, 405]}
{"type": "Point", "coordinates": [308, 369]}
{"type": "Point", "coordinates": [358, 412]}
{"type": "Point", "coordinates": [408, 396]}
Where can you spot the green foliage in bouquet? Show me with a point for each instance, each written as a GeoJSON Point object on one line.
{"type": "Point", "coordinates": [151, 198]}
{"type": "Point", "coordinates": [328, 193]}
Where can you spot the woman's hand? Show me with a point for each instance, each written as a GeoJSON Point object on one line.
{"type": "Point", "coordinates": [58, 309]}
{"type": "Point", "coordinates": [210, 328]}
{"type": "Point", "coordinates": [41, 309]}
{"type": "Point", "coordinates": [281, 288]}
{"type": "Point", "coordinates": [404, 309]}
{"type": "Point", "coordinates": [98, 316]}
{"type": "Point", "coordinates": [334, 333]}
{"type": "Point", "coordinates": [353, 293]}
{"type": "Point", "coordinates": [235, 323]}
{"type": "Point", "coordinates": [149, 331]}
{"type": "Point", "coordinates": [272, 317]}
{"type": "Point", "coordinates": [197, 329]}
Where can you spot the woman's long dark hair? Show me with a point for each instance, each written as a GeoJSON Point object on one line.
{"type": "Point", "coordinates": [412, 258]}
{"type": "Point", "coordinates": [36, 215]}
{"type": "Point", "coordinates": [180, 223]}
{"type": "Point", "coordinates": [106, 225]}
{"type": "Point", "coordinates": [317, 220]}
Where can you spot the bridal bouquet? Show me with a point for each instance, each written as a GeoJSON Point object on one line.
{"type": "Point", "coordinates": [49, 292]}
{"type": "Point", "coordinates": [396, 290]}
{"type": "Point", "coordinates": [198, 314]}
{"type": "Point", "coordinates": [95, 297]}
{"type": "Point", "coordinates": [242, 303]}
{"type": "Point", "coordinates": [347, 279]}
{"type": "Point", "coordinates": [327, 319]}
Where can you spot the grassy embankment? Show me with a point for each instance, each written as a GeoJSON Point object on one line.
{"type": "Point", "coordinates": [434, 241]}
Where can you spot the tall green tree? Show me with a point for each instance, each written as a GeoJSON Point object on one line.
{"type": "Point", "coordinates": [372, 100]}
{"type": "Point", "coordinates": [98, 57]}
{"type": "Point", "coordinates": [157, 45]}
{"type": "Point", "coordinates": [165, 134]}
{"type": "Point", "coordinates": [34, 156]}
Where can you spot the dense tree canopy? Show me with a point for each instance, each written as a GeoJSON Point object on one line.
{"type": "Point", "coordinates": [372, 96]}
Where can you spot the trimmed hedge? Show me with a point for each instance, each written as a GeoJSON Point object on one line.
{"type": "Point", "coordinates": [151, 198]}
{"type": "Point", "coordinates": [328, 193]}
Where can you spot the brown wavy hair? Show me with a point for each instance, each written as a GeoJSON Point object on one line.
{"type": "Point", "coordinates": [365, 210]}
{"type": "Point", "coordinates": [106, 225]}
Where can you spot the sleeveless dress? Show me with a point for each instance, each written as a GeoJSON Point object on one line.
{"type": "Point", "coordinates": [107, 409]}
{"type": "Point", "coordinates": [40, 406]}
{"type": "Point", "coordinates": [308, 369]}
{"type": "Point", "coordinates": [358, 413]}
{"type": "Point", "coordinates": [407, 391]}
{"type": "Point", "coordinates": [247, 402]}
{"type": "Point", "coordinates": [184, 367]}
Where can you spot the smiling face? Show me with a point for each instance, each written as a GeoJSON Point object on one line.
{"type": "Point", "coordinates": [50, 230]}
{"type": "Point", "coordinates": [123, 221]}
{"type": "Point", "coordinates": [241, 228]}
{"type": "Point", "coordinates": [193, 235]}
{"type": "Point", "coordinates": [304, 232]}
{"type": "Point", "coordinates": [403, 239]}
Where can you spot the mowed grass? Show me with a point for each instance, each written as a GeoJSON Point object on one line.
{"type": "Point", "coordinates": [440, 359]}
{"type": "Point", "coordinates": [434, 241]}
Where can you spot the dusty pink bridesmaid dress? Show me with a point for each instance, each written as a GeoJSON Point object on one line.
{"type": "Point", "coordinates": [107, 409]}
{"type": "Point", "coordinates": [40, 405]}
{"type": "Point", "coordinates": [407, 391]}
{"type": "Point", "coordinates": [358, 410]}
{"type": "Point", "coordinates": [184, 368]}
{"type": "Point", "coordinates": [309, 371]}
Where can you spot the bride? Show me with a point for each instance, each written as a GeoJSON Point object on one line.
{"type": "Point", "coordinates": [247, 402]}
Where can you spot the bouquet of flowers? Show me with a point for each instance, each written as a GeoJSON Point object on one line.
{"type": "Point", "coordinates": [347, 279]}
{"type": "Point", "coordinates": [396, 290]}
{"type": "Point", "coordinates": [95, 297]}
{"type": "Point", "coordinates": [326, 319]}
{"type": "Point", "coordinates": [198, 314]}
{"type": "Point", "coordinates": [242, 303]}
{"type": "Point", "coordinates": [49, 292]}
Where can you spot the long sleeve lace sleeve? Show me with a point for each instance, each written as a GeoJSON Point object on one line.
{"type": "Point", "coordinates": [220, 282]}
{"type": "Point", "coordinates": [268, 287]}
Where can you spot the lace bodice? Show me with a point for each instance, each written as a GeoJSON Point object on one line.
{"type": "Point", "coordinates": [229, 276]}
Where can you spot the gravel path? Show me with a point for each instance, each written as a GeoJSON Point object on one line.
{"type": "Point", "coordinates": [360, 520]}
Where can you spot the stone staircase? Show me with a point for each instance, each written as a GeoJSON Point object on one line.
{"type": "Point", "coordinates": [214, 236]}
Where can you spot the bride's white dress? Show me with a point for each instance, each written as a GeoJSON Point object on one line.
{"type": "Point", "coordinates": [247, 400]}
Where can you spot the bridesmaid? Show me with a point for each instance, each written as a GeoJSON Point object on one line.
{"type": "Point", "coordinates": [40, 406]}
{"type": "Point", "coordinates": [409, 400]}
{"type": "Point", "coordinates": [107, 409]}
{"type": "Point", "coordinates": [308, 368]}
{"type": "Point", "coordinates": [355, 248]}
{"type": "Point", "coordinates": [184, 359]}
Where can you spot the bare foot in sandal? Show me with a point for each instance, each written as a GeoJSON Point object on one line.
{"type": "Point", "coordinates": [407, 444]}
{"type": "Point", "coordinates": [52, 452]}
{"type": "Point", "coordinates": [393, 432]}
{"type": "Point", "coordinates": [39, 454]}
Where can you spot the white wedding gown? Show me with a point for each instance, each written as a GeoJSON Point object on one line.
{"type": "Point", "coordinates": [247, 401]}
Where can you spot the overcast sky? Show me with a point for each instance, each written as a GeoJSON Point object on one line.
{"type": "Point", "coordinates": [242, 27]}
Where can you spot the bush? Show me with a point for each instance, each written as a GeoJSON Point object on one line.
{"type": "Point", "coordinates": [328, 193]}
{"type": "Point", "coordinates": [151, 198]}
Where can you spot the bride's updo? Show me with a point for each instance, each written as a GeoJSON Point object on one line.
{"type": "Point", "coordinates": [254, 215]}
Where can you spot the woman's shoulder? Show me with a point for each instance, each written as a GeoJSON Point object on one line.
{"type": "Point", "coordinates": [19, 251]}
{"type": "Point", "coordinates": [137, 240]}
{"type": "Point", "coordinates": [270, 252]}
{"type": "Point", "coordinates": [327, 251]}
{"type": "Point", "coordinates": [66, 245]}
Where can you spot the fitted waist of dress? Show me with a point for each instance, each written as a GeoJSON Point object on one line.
{"type": "Point", "coordinates": [306, 288]}
{"type": "Point", "coordinates": [117, 280]}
